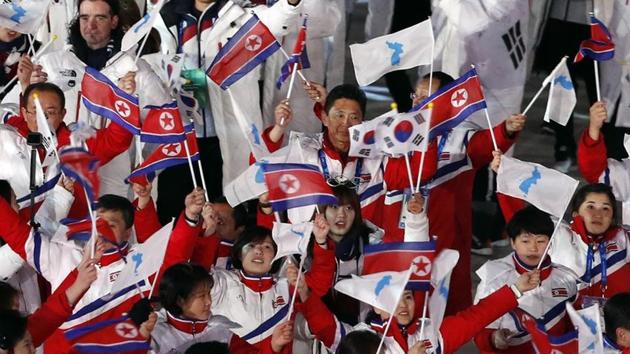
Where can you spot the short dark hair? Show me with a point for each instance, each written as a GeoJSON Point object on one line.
{"type": "Point", "coordinates": [12, 328]}
{"type": "Point", "coordinates": [5, 190]}
{"type": "Point", "coordinates": [359, 342]}
{"type": "Point", "coordinates": [117, 203]}
{"type": "Point", "coordinates": [441, 76]}
{"type": "Point", "coordinates": [531, 220]}
{"type": "Point", "coordinates": [252, 234]}
{"type": "Point", "coordinates": [213, 347]}
{"type": "Point", "coordinates": [75, 39]}
{"type": "Point", "coordinates": [347, 91]}
{"type": "Point", "coordinates": [617, 314]}
{"type": "Point", "coordinates": [178, 282]}
{"type": "Point", "coordinates": [7, 295]}
{"type": "Point", "coordinates": [44, 87]}
{"type": "Point", "coordinates": [239, 212]}
{"type": "Point", "coordinates": [598, 188]}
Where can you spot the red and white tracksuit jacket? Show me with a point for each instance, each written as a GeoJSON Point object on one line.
{"type": "Point", "coordinates": [547, 302]}
{"type": "Point", "coordinates": [450, 201]}
{"type": "Point", "coordinates": [54, 257]}
{"type": "Point", "coordinates": [571, 246]}
{"type": "Point", "coordinates": [212, 251]}
{"type": "Point", "coordinates": [454, 331]}
{"type": "Point", "coordinates": [107, 144]}
{"type": "Point", "coordinates": [174, 335]}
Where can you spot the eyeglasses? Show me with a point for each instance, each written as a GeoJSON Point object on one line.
{"type": "Point", "coordinates": [344, 181]}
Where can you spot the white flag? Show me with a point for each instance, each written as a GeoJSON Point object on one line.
{"type": "Point", "coordinates": [363, 137]}
{"type": "Point", "coordinates": [291, 238]}
{"type": "Point", "coordinates": [24, 16]}
{"type": "Point", "coordinates": [441, 271]}
{"type": "Point", "coordinates": [404, 132]}
{"type": "Point", "coordinates": [562, 99]}
{"type": "Point", "coordinates": [250, 128]}
{"type": "Point", "coordinates": [381, 290]}
{"type": "Point", "coordinates": [404, 49]}
{"type": "Point", "coordinates": [172, 69]}
{"type": "Point", "coordinates": [589, 327]}
{"type": "Point", "coordinates": [144, 259]}
{"type": "Point", "coordinates": [141, 28]}
{"type": "Point", "coordinates": [15, 161]}
{"type": "Point", "coordinates": [546, 189]}
{"type": "Point", "coordinates": [49, 138]}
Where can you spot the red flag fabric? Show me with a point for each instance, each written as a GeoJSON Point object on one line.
{"type": "Point", "coordinates": [81, 166]}
{"type": "Point", "coordinates": [117, 335]}
{"type": "Point", "coordinates": [398, 256]}
{"type": "Point", "coordinates": [163, 125]}
{"type": "Point", "coordinates": [546, 344]}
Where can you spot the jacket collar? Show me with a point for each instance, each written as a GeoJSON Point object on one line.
{"type": "Point", "coordinates": [330, 150]}
{"type": "Point", "coordinates": [187, 326]}
{"type": "Point", "coordinates": [256, 283]}
{"type": "Point", "coordinates": [578, 226]}
{"type": "Point", "coordinates": [521, 267]}
{"type": "Point", "coordinates": [395, 331]}
{"type": "Point", "coordinates": [112, 255]}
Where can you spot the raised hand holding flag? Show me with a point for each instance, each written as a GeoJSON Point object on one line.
{"type": "Point", "coordinates": [298, 59]}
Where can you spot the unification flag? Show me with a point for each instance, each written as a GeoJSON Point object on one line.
{"type": "Point", "coordinates": [144, 259]}
{"type": "Point", "coordinates": [398, 256]}
{"type": "Point", "coordinates": [49, 138]}
{"type": "Point", "coordinates": [363, 138]}
{"type": "Point", "coordinates": [381, 290]}
{"type": "Point", "coordinates": [600, 46]}
{"type": "Point", "coordinates": [141, 28]}
{"type": "Point", "coordinates": [441, 270]}
{"type": "Point", "coordinates": [81, 229]}
{"type": "Point", "coordinates": [250, 46]}
{"type": "Point", "coordinates": [544, 343]}
{"type": "Point", "coordinates": [453, 103]}
{"type": "Point", "coordinates": [299, 56]}
{"type": "Point", "coordinates": [402, 50]}
{"type": "Point", "coordinates": [103, 97]}
{"type": "Point", "coordinates": [589, 328]}
{"type": "Point", "coordinates": [562, 98]}
{"type": "Point", "coordinates": [110, 336]}
{"type": "Point", "coordinates": [81, 166]}
{"type": "Point", "coordinates": [24, 16]}
{"type": "Point", "coordinates": [292, 185]}
{"type": "Point", "coordinates": [548, 190]}
{"type": "Point", "coordinates": [404, 132]}
{"type": "Point", "coordinates": [167, 155]}
{"type": "Point", "coordinates": [163, 125]}
{"type": "Point", "coordinates": [291, 238]}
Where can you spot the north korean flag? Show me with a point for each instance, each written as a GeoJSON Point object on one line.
{"type": "Point", "coordinates": [250, 46]}
{"type": "Point", "coordinates": [453, 103]}
{"type": "Point", "coordinates": [81, 166]}
{"type": "Point", "coordinates": [167, 155]}
{"type": "Point", "coordinates": [600, 46]}
{"type": "Point", "coordinates": [299, 57]}
{"type": "Point", "coordinates": [163, 125]}
{"type": "Point", "coordinates": [292, 185]}
{"type": "Point", "coordinates": [545, 344]}
{"type": "Point", "coordinates": [81, 229]}
{"type": "Point", "coordinates": [103, 97]}
{"type": "Point", "coordinates": [398, 256]}
{"type": "Point", "coordinates": [110, 336]}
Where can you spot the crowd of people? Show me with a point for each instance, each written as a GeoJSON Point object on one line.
{"type": "Point", "coordinates": [220, 287]}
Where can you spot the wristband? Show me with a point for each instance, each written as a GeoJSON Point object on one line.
{"type": "Point", "coordinates": [191, 221]}
{"type": "Point", "coordinates": [515, 290]}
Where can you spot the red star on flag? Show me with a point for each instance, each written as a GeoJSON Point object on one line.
{"type": "Point", "coordinates": [167, 121]}
{"type": "Point", "coordinates": [122, 108]}
{"type": "Point", "coordinates": [171, 149]}
{"type": "Point", "coordinates": [289, 184]}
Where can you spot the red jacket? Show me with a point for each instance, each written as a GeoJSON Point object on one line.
{"type": "Point", "coordinates": [107, 144]}
{"type": "Point", "coordinates": [591, 157]}
{"type": "Point", "coordinates": [54, 312]}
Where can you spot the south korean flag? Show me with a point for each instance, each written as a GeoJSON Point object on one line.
{"type": "Point", "coordinates": [404, 132]}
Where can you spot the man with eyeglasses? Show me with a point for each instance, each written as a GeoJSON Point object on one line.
{"type": "Point", "coordinates": [105, 145]}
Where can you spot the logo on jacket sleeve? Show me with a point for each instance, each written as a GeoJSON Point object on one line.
{"type": "Point", "coordinates": [559, 292]}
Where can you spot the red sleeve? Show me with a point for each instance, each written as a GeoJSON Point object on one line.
{"type": "Point", "coordinates": [109, 142]}
{"type": "Point", "coordinates": [483, 341]}
{"type": "Point", "coordinates": [206, 251]}
{"type": "Point", "coordinates": [480, 147]}
{"type": "Point", "coordinates": [146, 221]}
{"type": "Point", "coordinates": [321, 321]}
{"type": "Point", "coordinates": [321, 275]}
{"type": "Point", "coordinates": [271, 146]}
{"type": "Point", "coordinates": [239, 346]}
{"type": "Point", "coordinates": [591, 157]}
{"type": "Point", "coordinates": [13, 231]}
{"type": "Point", "coordinates": [264, 220]}
{"type": "Point", "coordinates": [53, 313]}
{"type": "Point", "coordinates": [458, 329]}
{"type": "Point", "coordinates": [509, 205]}
{"type": "Point", "coordinates": [396, 176]}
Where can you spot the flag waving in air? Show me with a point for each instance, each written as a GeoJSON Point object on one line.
{"type": "Point", "coordinates": [299, 57]}
{"type": "Point", "coordinates": [589, 328]}
{"type": "Point", "coordinates": [49, 139]}
{"type": "Point", "coordinates": [81, 166]}
{"type": "Point", "coordinates": [600, 46]}
{"type": "Point", "coordinates": [291, 238]}
{"type": "Point", "coordinates": [363, 138]}
{"type": "Point", "coordinates": [398, 256]}
{"type": "Point", "coordinates": [103, 97]}
{"type": "Point", "coordinates": [381, 290]}
{"type": "Point", "coordinates": [250, 46]}
{"type": "Point", "coordinates": [453, 103]}
{"type": "Point", "coordinates": [404, 132]}
{"type": "Point", "coordinates": [141, 28]}
{"type": "Point", "coordinates": [293, 185]}
{"type": "Point", "coordinates": [24, 16]}
{"type": "Point", "coordinates": [544, 343]}
{"type": "Point", "coordinates": [163, 125]}
{"type": "Point", "coordinates": [81, 229]}
{"type": "Point", "coordinates": [109, 336]}
{"type": "Point", "coordinates": [562, 98]}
